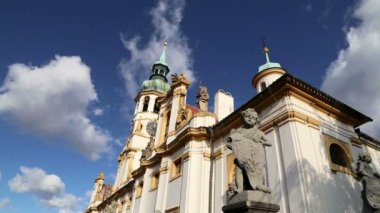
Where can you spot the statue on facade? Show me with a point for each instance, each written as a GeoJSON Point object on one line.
{"type": "Point", "coordinates": [249, 193]}
{"type": "Point", "coordinates": [202, 98]}
{"type": "Point", "coordinates": [371, 183]}
{"type": "Point", "coordinates": [178, 77]}
{"type": "Point", "coordinates": [247, 143]}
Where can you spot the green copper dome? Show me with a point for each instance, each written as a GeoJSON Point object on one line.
{"type": "Point", "coordinates": [158, 81]}
{"type": "Point", "coordinates": [155, 85]}
{"type": "Point", "coordinates": [268, 64]}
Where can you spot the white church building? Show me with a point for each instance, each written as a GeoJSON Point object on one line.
{"type": "Point", "coordinates": [176, 160]}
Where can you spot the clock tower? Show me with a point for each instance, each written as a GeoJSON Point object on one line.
{"type": "Point", "coordinates": [144, 122]}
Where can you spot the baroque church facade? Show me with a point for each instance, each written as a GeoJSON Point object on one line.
{"type": "Point", "coordinates": [176, 160]}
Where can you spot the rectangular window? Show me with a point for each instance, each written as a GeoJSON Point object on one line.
{"type": "Point", "coordinates": [176, 168]}
{"type": "Point", "coordinates": [154, 181]}
{"type": "Point", "coordinates": [139, 189]}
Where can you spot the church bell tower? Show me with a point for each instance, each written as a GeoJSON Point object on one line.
{"type": "Point", "coordinates": [144, 122]}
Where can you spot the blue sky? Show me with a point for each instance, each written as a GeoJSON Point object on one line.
{"type": "Point", "coordinates": [69, 71]}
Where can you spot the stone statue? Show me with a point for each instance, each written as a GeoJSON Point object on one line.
{"type": "Point", "coordinates": [249, 193]}
{"type": "Point", "coordinates": [202, 98]}
{"type": "Point", "coordinates": [247, 143]}
{"type": "Point", "coordinates": [178, 77]}
{"type": "Point", "coordinates": [371, 183]}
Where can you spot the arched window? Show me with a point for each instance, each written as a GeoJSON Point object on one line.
{"type": "Point", "coordinates": [156, 108]}
{"type": "Point", "coordinates": [263, 86]}
{"type": "Point", "coordinates": [338, 156]}
{"type": "Point", "coordinates": [146, 104]}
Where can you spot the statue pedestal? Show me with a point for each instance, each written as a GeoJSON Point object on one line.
{"type": "Point", "coordinates": [251, 202]}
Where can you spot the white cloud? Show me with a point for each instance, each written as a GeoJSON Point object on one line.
{"type": "Point", "coordinates": [66, 203]}
{"type": "Point", "coordinates": [52, 101]}
{"type": "Point", "coordinates": [4, 202]}
{"type": "Point", "coordinates": [98, 112]}
{"type": "Point", "coordinates": [48, 188]}
{"type": "Point", "coordinates": [166, 19]}
{"type": "Point", "coordinates": [36, 181]}
{"type": "Point", "coordinates": [354, 76]}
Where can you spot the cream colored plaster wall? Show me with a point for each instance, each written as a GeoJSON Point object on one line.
{"type": "Point", "coordinates": [195, 177]}
{"type": "Point", "coordinates": [136, 205]}
{"type": "Point", "coordinates": [323, 190]}
{"type": "Point", "coordinates": [203, 121]}
{"type": "Point", "coordinates": [162, 187]}
{"type": "Point", "coordinates": [268, 79]}
{"type": "Point", "coordinates": [174, 186]}
{"type": "Point", "coordinates": [174, 193]}
{"type": "Point", "coordinates": [223, 104]}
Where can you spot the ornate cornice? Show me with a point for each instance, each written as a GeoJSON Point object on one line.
{"type": "Point", "coordinates": [189, 134]}
{"type": "Point", "coordinates": [290, 86]}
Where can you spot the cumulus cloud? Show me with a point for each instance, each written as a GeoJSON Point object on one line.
{"type": "Point", "coordinates": [36, 181]}
{"type": "Point", "coordinates": [52, 101]}
{"type": "Point", "coordinates": [4, 202]}
{"type": "Point", "coordinates": [48, 188]}
{"type": "Point", "coordinates": [354, 76]}
{"type": "Point", "coordinates": [166, 19]}
{"type": "Point", "coordinates": [66, 203]}
{"type": "Point", "coordinates": [98, 112]}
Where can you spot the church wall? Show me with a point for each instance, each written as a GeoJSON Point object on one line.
{"type": "Point", "coordinates": [174, 193]}
{"type": "Point", "coordinates": [136, 205]}
{"type": "Point", "coordinates": [174, 185]}
{"type": "Point", "coordinates": [220, 175]}
{"type": "Point", "coordinates": [289, 165]}
{"type": "Point", "coordinates": [325, 191]}
{"type": "Point", "coordinates": [275, 170]}
{"type": "Point", "coordinates": [195, 178]}
{"type": "Point", "coordinates": [148, 198]}
{"type": "Point", "coordinates": [199, 121]}
{"type": "Point", "coordinates": [268, 79]}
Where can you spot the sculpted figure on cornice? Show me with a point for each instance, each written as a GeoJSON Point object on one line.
{"type": "Point", "coordinates": [202, 98]}
{"type": "Point", "coordinates": [247, 143]}
{"type": "Point", "coordinates": [371, 183]}
{"type": "Point", "coordinates": [178, 77]}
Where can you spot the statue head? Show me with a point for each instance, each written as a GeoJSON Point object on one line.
{"type": "Point", "coordinates": [365, 157]}
{"type": "Point", "coordinates": [249, 117]}
{"type": "Point", "coordinates": [202, 93]}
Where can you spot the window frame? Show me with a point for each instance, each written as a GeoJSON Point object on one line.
{"type": "Point", "coordinates": [329, 141]}
{"type": "Point", "coordinates": [176, 168]}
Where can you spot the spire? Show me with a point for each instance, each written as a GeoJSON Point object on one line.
{"type": "Point", "coordinates": [268, 64]}
{"type": "Point", "coordinates": [265, 48]}
{"type": "Point", "coordinates": [163, 56]}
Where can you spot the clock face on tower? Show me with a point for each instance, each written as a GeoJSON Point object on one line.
{"type": "Point", "coordinates": [151, 128]}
